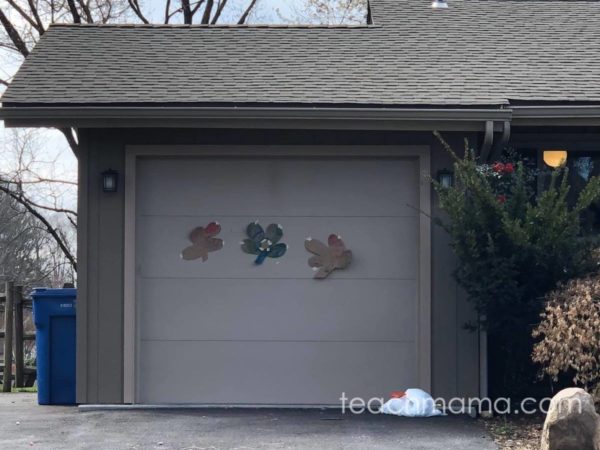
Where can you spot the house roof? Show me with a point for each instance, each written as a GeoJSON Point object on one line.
{"type": "Point", "coordinates": [475, 53]}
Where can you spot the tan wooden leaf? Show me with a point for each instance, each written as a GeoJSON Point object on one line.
{"type": "Point", "coordinates": [203, 242]}
{"type": "Point", "coordinates": [328, 257]}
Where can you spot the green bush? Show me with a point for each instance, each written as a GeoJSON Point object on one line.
{"type": "Point", "coordinates": [514, 245]}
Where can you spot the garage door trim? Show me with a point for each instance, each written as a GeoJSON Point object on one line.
{"type": "Point", "coordinates": [424, 264]}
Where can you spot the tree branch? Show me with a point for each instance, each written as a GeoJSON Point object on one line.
{"type": "Point", "coordinates": [9, 47]}
{"type": "Point", "coordinates": [217, 15]}
{"type": "Point", "coordinates": [74, 12]}
{"type": "Point", "coordinates": [49, 228]}
{"type": "Point", "coordinates": [70, 140]}
{"type": "Point", "coordinates": [207, 11]}
{"type": "Point", "coordinates": [14, 35]}
{"type": "Point", "coordinates": [53, 209]}
{"type": "Point", "coordinates": [36, 16]}
{"type": "Point", "coordinates": [138, 11]}
{"type": "Point", "coordinates": [196, 7]}
{"type": "Point", "coordinates": [25, 16]}
{"type": "Point", "coordinates": [244, 17]}
{"type": "Point", "coordinates": [72, 222]}
{"type": "Point", "coordinates": [39, 180]}
{"type": "Point", "coordinates": [167, 8]}
{"type": "Point", "coordinates": [49, 208]}
{"type": "Point", "coordinates": [187, 12]}
{"type": "Point", "coordinates": [86, 11]}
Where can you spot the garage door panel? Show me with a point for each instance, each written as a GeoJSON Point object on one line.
{"type": "Point", "coordinates": [266, 187]}
{"type": "Point", "coordinates": [226, 331]}
{"type": "Point", "coordinates": [299, 373]}
{"type": "Point", "coordinates": [275, 310]}
{"type": "Point", "coordinates": [383, 247]}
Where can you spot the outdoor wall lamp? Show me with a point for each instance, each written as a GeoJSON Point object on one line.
{"type": "Point", "coordinates": [555, 158]}
{"type": "Point", "coordinates": [110, 180]}
{"type": "Point", "coordinates": [446, 178]}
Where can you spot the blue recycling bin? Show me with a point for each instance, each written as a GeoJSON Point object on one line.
{"type": "Point", "coordinates": [54, 317]}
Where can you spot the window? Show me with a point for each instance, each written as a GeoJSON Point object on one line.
{"type": "Point", "coordinates": [582, 167]}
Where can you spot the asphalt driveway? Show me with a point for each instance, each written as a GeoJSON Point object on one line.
{"type": "Point", "coordinates": [24, 424]}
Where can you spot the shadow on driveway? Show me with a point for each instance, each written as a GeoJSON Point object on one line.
{"type": "Point", "coordinates": [24, 424]}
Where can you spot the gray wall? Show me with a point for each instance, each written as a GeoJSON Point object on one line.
{"type": "Point", "coordinates": [455, 356]}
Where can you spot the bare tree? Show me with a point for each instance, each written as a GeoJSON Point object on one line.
{"type": "Point", "coordinates": [27, 253]}
{"type": "Point", "coordinates": [207, 12]}
{"type": "Point", "coordinates": [29, 256]}
{"type": "Point", "coordinates": [32, 183]}
{"type": "Point", "coordinates": [328, 12]}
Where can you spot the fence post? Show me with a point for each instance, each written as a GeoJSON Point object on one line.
{"type": "Point", "coordinates": [8, 337]}
{"type": "Point", "coordinates": [19, 356]}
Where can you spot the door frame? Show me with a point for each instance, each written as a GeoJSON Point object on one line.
{"type": "Point", "coordinates": [134, 152]}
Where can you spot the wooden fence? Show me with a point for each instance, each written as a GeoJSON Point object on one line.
{"type": "Point", "coordinates": [14, 337]}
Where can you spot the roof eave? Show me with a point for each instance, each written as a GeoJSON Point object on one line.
{"type": "Point", "coordinates": [556, 115]}
{"type": "Point", "coordinates": [16, 115]}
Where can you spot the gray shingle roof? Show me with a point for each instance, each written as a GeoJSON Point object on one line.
{"type": "Point", "coordinates": [478, 52]}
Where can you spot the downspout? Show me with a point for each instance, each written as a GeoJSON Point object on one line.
{"type": "Point", "coordinates": [488, 141]}
{"type": "Point", "coordinates": [497, 153]}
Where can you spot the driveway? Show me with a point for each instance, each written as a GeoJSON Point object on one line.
{"type": "Point", "coordinates": [24, 424]}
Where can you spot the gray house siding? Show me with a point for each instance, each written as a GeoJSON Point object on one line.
{"type": "Point", "coordinates": [100, 252]}
{"type": "Point", "coordinates": [455, 352]}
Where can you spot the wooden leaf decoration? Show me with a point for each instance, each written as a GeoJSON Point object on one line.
{"type": "Point", "coordinates": [264, 243]}
{"type": "Point", "coordinates": [249, 246]}
{"type": "Point", "coordinates": [255, 232]}
{"type": "Point", "coordinates": [277, 251]}
{"type": "Point", "coordinates": [328, 258]}
{"type": "Point", "coordinates": [203, 242]}
{"type": "Point", "coordinates": [274, 233]}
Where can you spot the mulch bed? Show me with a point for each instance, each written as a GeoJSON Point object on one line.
{"type": "Point", "coordinates": [512, 432]}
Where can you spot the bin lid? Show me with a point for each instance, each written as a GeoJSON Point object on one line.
{"type": "Point", "coordinates": [53, 293]}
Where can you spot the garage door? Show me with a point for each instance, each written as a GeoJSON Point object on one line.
{"type": "Point", "coordinates": [228, 331]}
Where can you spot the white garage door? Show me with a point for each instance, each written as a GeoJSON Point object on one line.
{"type": "Point", "coordinates": [226, 331]}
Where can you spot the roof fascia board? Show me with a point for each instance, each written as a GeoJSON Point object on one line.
{"type": "Point", "coordinates": [242, 117]}
{"type": "Point", "coordinates": [556, 115]}
{"type": "Point", "coordinates": [366, 125]}
{"type": "Point", "coordinates": [311, 118]}
{"type": "Point", "coordinates": [555, 111]}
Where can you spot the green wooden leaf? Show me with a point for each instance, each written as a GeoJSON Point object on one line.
{"type": "Point", "coordinates": [274, 233]}
{"type": "Point", "coordinates": [277, 250]}
{"type": "Point", "coordinates": [249, 246]}
{"type": "Point", "coordinates": [255, 232]}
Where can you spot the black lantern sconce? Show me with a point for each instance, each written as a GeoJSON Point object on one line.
{"type": "Point", "coordinates": [446, 178]}
{"type": "Point", "coordinates": [110, 180]}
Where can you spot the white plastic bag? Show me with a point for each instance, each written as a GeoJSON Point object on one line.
{"type": "Point", "coordinates": [415, 403]}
